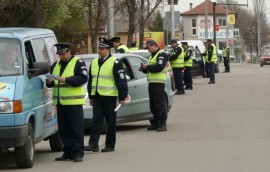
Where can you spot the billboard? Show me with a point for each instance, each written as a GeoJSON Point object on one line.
{"type": "Point", "coordinates": [157, 36]}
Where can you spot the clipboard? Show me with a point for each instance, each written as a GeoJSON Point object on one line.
{"type": "Point", "coordinates": [51, 77]}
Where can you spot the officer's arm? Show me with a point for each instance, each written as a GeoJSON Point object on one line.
{"type": "Point", "coordinates": [120, 80]}
{"type": "Point", "coordinates": [162, 60]}
{"type": "Point", "coordinates": [228, 52]}
{"type": "Point", "coordinates": [210, 52]}
{"type": "Point", "coordinates": [51, 84]}
{"type": "Point", "coordinates": [120, 50]}
{"type": "Point", "coordinates": [80, 75]}
{"type": "Point", "coordinates": [177, 52]}
{"type": "Point", "coordinates": [188, 55]}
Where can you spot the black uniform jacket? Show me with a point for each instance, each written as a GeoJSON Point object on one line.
{"type": "Point", "coordinates": [177, 51]}
{"type": "Point", "coordinates": [161, 62]}
{"type": "Point", "coordinates": [119, 77]}
{"type": "Point", "coordinates": [188, 53]}
{"type": "Point", "coordinates": [80, 73]}
{"type": "Point", "coordinates": [210, 52]}
{"type": "Point", "coordinates": [120, 50]}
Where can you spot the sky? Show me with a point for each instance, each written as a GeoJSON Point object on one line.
{"type": "Point", "coordinates": [183, 5]}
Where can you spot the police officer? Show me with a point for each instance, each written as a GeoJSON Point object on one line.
{"type": "Point", "coordinates": [188, 66]}
{"type": "Point", "coordinates": [226, 57]}
{"type": "Point", "coordinates": [107, 81]}
{"type": "Point", "coordinates": [133, 46]}
{"type": "Point", "coordinates": [156, 70]}
{"type": "Point", "coordinates": [118, 47]}
{"type": "Point", "coordinates": [69, 98]}
{"type": "Point", "coordinates": [205, 56]}
{"type": "Point", "coordinates": [212, 58]}
{"type": "Point", "coordinates": [176, 59]}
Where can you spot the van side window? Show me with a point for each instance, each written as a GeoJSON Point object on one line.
{"type": "Point", "coordinates": [41, 54]}
{"type": "Point", "coordinates": [30, 57]}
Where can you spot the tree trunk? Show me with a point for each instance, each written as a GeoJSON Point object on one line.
{"type": "Point", "coordinates": [141, 25]}
{"type": "Point", "coordinates": [131, 5]}
{"type": "Point", "coordinates": [38, 11]}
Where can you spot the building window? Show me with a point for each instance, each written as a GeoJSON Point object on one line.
{"type": "Point", "coordinates": [193, 27]}
{"type": "Point", "coordinates": [221, 22]}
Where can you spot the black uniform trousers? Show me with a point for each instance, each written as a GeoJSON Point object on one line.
{"type": "Point", "coordinates": [207, 69]}
{"type": "Point", "coordinates": [178, 79]}
{"type": "Point", "coordinates": [226, 64]}
{"type": "Point", "coordinates": [188, 77]}
{"type": "Point", "coordinates": [103, 106]}
{"type": "Point", "coordinates": [71, 128]}
{"type": "Point", "coordinates": [212, 71]}
{"type": "Point", "coordinates": [157, 101]}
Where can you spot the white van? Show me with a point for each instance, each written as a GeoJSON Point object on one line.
{"type": "Point", "coordinates": [194, 43]}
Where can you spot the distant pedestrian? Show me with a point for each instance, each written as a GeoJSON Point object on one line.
{"type": "Point", "coordinates": [176, 59]}
{"type": "Point", "coordinates": [205, 56]}
{"type": "Point", "coordinates": [133, 46]}
{"type": "Point", "coordinates": [212, 58]}
{"type": "Point", "coordinates": [69, 98]}
{"type": "Point", "coordinates": [156, 70]}
{"type": "Point", "coordinates": [226, 58]}
{"type": "Point", "coordinates": [188, 66]}
{"type": "Point", "coordinates": [118, 47]}
{"type": "Point", "coordinates": [107, 81]}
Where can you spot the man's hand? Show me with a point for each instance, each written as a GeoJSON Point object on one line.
{"type": "Point", "coordinates": [61, 79]}
{"type": "Point", "coordinates": [143, 66]}
{"type": "Point", "coordinates": [48, 81]}
{"type": "Point", "coordinates": [91, 102]}
{"type": "Point", "coordinates": [122, 102]}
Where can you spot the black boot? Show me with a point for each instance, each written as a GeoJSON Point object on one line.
{"type": "Point", "coordinates": [154, 125]}
{"type": "Point", "coordinates": [162, 126]}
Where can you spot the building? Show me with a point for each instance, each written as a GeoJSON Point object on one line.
{"type": "Point", "coordinates": [194, 24]}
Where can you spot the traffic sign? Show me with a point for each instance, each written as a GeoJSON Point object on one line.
{"type": "Point", "coordinates": [217, 27]}
{"type": "Point", "coordinates": [230, 41]}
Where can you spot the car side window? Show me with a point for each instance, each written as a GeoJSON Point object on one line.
{"type": "Point", "coordinates": [41, 54]}
{"type": "Point", "coordinates": [197, 54]}
{"type": "Point", "coordinates": [127, 68]}
{"type": "Point", "coordinates": [136, 63]}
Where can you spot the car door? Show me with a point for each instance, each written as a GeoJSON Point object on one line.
{"type": "Point", "coordinates": [198, 63]}
{"type": "Point", "coordinates": [137, 88]}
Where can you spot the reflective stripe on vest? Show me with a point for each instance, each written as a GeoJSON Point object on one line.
{"type": "Point", "coordinates": [102, 78]}
{"type": "Point", "coordinates": [214, 55]}
{"type": "Point", "coordinates": [179, 62]}
{"type": "Point", "coordinates": [159, 77]}
{"type": "Point", "coordinates": [188, 63]}
{"type": "Point", "coordinates": [65, 93]}
{"type": "Point", "coordinates": [133, 48]}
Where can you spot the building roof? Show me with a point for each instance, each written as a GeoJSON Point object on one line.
{"type": "Point", "coordinates": [200, 10]}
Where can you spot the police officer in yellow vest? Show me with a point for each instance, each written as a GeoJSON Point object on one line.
{"type": "Point", "coordinates": [69, 98]}
{"type": "Point", "coordinates": [118, 47]}
{"type": "Point", "coordinates": [156, 70]}
{"type": "Point", "coordinates": [107, 81]}
{"type": "Point", "coordinates": [188, 66]}
{"type": "Point", "coordinates": [133, 46]}
{"type": "Point", "coordinates": [212, 58]}
{"type": "Point", "coordinates": [226, 57]}
{"type": "Point", "coordinates": [176, 59]}
{"type": "Point", "coordinates": [205, 56]}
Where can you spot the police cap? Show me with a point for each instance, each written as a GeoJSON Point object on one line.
{"type": "Point", "coordinates": [61, 47]}
{"type": "Point", "coordinates": [150, 42]}
{"type": "Point", "coordinates": [115, 39]}
{"type": "Point", "coordinates": [184, 43]}
{"type": "Point", "coordinates": [133, 43]}
{"type": "Point", "coordinates": [209, 40]}
{"type": "Point", "coordinates": [173, 41]}
{"type": "Point", "coordinates": [103, 42]}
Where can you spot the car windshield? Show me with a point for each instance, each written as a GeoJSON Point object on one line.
{"type": "Point", "coordinates": [10, 57]}
{"type": "Point", "coordinates": [144, 54]}
{"type": "Point", "coordinates": [266, 53]}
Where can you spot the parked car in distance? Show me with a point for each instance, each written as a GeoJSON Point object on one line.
{"type": "Point", "coordinates": [144, 53]}
{"type": "Point", "coordinates": [265, 58]}
{"type": "Point", "coordinates": [138, 108]}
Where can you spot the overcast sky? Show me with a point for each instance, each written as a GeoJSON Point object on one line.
{"type": "Point", "coordinates": [183, 5]}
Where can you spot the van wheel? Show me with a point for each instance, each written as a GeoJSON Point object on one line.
{"type": "Point", "coordinates": [24, 155]}
{"type": "Point", "coordinates": [56, 142]}
{"type": "Point", "coordinates": [261, 65]}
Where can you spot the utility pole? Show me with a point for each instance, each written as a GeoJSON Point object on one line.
{"type": "Point", "coordinates": [206, 18]}
{"type": "Point", "coordinates": [172, 19]}
{"type": "Point", "coordinates": [214, 22]}
{"type": "Point", "coordinates": [110, 19]}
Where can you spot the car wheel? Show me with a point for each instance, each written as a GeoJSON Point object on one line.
{"type": "Point", "coordinates": [24, 155]}
{"type": "Point", "coordinates": [261, 65]}
{"type": "Point", "coordinates": [56, 142]}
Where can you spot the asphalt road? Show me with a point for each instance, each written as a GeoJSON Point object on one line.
{"type": "Point", "coordinates": [214, 128]}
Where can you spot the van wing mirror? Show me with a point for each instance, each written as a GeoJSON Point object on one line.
{"type": "Point", "coordinates": [39, 68]}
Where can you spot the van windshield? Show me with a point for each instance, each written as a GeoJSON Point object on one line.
{"type": "Point", "coordinates": [10, 57]}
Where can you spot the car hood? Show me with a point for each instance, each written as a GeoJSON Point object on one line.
{"type": "Point", "coordinates": [265, 57]}
{"type": "Point", "coordinates": [7, 88]}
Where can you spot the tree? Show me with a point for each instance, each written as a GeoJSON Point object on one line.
{"type": "Point", "coordinates": [158, 23]}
